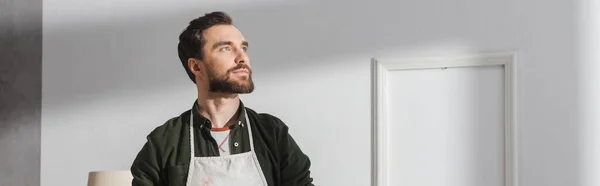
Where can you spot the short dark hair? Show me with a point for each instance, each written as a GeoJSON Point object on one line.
{"type": "Point", "coordinates": [191, 40]}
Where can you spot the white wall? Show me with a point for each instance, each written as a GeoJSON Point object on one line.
{"type": "Point", "coordinates": [589, 42]}
{"type": "Point", "coordinates": [111, 74]}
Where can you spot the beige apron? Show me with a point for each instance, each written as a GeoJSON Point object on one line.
{"type": "Point", "coordinates": [230, 170]}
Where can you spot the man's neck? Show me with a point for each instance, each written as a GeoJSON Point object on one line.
{"type": "Point", "coordinates": [220, 109]}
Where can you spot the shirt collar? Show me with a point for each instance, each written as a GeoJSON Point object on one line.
{"type": "Point", "coordinates": [203, 122]}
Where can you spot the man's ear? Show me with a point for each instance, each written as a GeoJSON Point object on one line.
{"type": "Point", "coordinates": [195, 67]}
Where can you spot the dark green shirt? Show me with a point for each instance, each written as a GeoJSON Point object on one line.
{"type": "Point", "coordinates": [164, 159]}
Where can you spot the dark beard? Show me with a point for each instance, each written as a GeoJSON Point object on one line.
{"type": "Point", "coordinates": [225, 85]}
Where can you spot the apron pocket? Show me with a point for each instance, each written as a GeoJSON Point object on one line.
{"type": "Point", "coordinates": [177, 175]}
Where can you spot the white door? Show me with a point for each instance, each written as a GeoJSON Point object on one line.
{"type": "Point", "coordinates": [446, 126]}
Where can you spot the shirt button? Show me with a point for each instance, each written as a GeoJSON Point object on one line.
{"type": "Point", "coordinates": [236, 144]}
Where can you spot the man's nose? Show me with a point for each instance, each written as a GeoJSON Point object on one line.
{"type": "Point", "coordinates": [242, 57]}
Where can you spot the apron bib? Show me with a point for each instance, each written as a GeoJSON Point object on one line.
{"type": "Point", "coordinates": [236, 170]}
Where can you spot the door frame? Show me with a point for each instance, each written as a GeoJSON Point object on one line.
{"type": "Point", "coordinates": [380, 69]}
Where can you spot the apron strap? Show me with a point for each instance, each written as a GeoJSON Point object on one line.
{"type": "Point", "coordinates": [249, 132]}
{"type": "Point", "coordinates": [192, 149]}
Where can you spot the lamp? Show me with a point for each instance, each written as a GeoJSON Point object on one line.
{"type": "Point", "coordinates": [110, 178]}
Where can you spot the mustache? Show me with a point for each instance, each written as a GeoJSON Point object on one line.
{"type": "Point", "coordinates": [240, 66]}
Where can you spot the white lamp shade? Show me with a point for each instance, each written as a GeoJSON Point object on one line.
{"type": "Point", "coordinates": [110, 178]}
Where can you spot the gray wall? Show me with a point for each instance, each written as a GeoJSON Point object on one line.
{"type": "Point", "coordinates": [311, 64]}
{"type": "Point", "coordinates": [20, 91]}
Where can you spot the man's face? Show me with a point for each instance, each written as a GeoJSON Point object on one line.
{"type": "Point", "coordinates": [226, 64]}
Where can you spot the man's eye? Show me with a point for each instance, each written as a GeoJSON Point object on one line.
{"type": "Point", "coordinates": [245, 49]}
{"type": "Point", "coordinates": [226, 49]}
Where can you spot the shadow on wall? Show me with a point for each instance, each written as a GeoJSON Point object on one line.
{"type": "Point", "coordinates": [90, 60]}
{"type": "Point", "coordinates": [20, 63]}
{"type": "Point", "coordinates": [20, 91]}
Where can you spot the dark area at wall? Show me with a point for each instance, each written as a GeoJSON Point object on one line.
{"type": "Point", "coordinates": [20, 92]}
